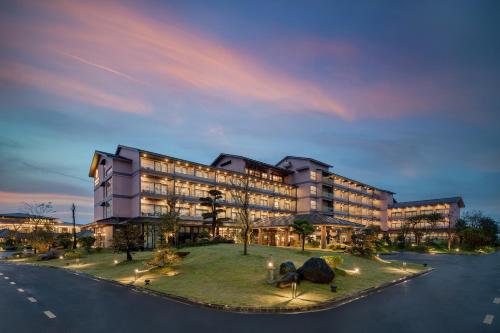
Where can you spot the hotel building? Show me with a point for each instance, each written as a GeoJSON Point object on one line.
{"type": "Point", "coordinates": [133, 186]}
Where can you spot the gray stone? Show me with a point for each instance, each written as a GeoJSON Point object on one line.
{"type": "Point", "coordinates": [287, 267]}
{"type": "Point", "coordinates": [287, 280]}
{"type": "Point", "coordinates": [316, 270]}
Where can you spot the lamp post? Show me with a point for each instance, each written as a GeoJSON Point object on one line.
{"type": "Point", "coordinates": [404, 266]}
{"type": "Point", "coordinates": [294, 290]}
{"type": "Point", "coordinates": [270, 269]}
{"type": "Point", "coordinates": [136, 272]}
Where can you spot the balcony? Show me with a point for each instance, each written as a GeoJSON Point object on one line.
{"type": "Point", "coordinates": [327, 181]}
{"type": "Point", "coordinates": [327, 195]}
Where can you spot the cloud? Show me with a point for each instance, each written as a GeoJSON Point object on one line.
{"type": "Point", "coordinates": [164, 54]}
{"type": "Point", "coordinates": [68, 87]}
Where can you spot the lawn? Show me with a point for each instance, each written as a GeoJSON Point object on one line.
{"type": "Point", "coordinates": [220, 274]}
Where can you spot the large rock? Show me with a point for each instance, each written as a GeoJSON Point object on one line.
{"type": "Point", "coordinates": [51, 254]}
{"type": "Point", "coordinates": [288, 279]}
{"type": "Point", "coordinates": [287, 267]}
{"type": "Point", "coordinates": [316, 270]}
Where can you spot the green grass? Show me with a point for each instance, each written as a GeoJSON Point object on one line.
{"type": "Point", "coordinates": [220, 274]}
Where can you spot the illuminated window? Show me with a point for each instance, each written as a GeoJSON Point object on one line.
{"type": "Point", "coordinates": [313, 175]}
{"type": "Point", "coordinates": [313, 204]}
{"type": "Point", "coordinates": [314, 190]}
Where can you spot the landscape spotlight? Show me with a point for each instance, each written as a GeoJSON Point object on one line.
{"type": "Point", "coordinates": [356, 270]}
{"type": "Point", "coordinates": [270, 269]}
{"type": "Point", "coordinates": [136, 271]}
{"type": "Point", "coordinates": [115, 261]}
{"type": "Point", "coordinates": [61, 257]}
{"type": "Point", "coordinates": [457, 250]}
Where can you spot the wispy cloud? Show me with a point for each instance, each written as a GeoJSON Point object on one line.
{"type": "Point", "coordinates": [67, 87]}
{"type": "Point", "coordinates": [164, 54]}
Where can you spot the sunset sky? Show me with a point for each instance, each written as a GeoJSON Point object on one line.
{"type": "Point", "coordinates": [403, 95]}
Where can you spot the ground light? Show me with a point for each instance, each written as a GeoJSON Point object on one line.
{"type": "Point", "coordinates": [457, 250]}
{"type": "Point", "coordinates": [61, 257]}
{"type": "Point", "coordinates": [356, 270]}
{"type": "Point", "coordinates": [404, 266]}
{"type": "Point", "coordinates": [115, 261]}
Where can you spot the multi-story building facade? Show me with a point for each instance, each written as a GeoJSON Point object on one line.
{"type": "Point", "coordinates": [448, 208]}
{"type": "Point", "coordinates": [134, 185]}
{"type": "Point", "coordinates": [26, 223]}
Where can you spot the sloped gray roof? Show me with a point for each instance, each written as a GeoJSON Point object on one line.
{"type": "Point", "coordinates": [457, 200]}
{"type": "Point", "coordinates": [313, 218]}
{"type": "Point", "coordinates": [25, 216]}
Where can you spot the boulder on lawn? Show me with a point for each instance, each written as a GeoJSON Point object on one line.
{"type": "Point", "coordinates": [287, 267]}
{"type": "Point", "coordinates": [288, 279]}
{"type": "Point", "coordinates": [316, 270]}
{"type": "Point", "coordinates": [51, 254]}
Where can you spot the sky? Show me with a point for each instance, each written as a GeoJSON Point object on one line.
{"type": "Point", "coordinates": [402, 95]}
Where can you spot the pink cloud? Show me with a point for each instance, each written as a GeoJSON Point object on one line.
{"type": "Point", "coordinates": [68, 87]}
{"type": "Point", "coordinates": [167, 56]}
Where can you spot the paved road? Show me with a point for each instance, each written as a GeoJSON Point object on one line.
{"type": "Point", "coordinates": [456, 297]}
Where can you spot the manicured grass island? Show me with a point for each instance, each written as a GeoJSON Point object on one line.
{"type": "Point", "coordinates": [220, 274]}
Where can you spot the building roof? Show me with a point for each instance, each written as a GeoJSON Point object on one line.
{"type": "Point", "coordinates": [84, 233]}
{"type": "Point", "coordinates": [95, 159]}
{"type": "Point", "coordinates": [266, 165]}
{"type": "Point", "coordinates": [24, 216]}
{"type": "Point", "coordinates": [307, 159]}
{"type": "Point", "coordinates": [4, 233]}
{"type": "Point", "coordinates": [430, 202]}
{"type": "Point", "coordinates": [312, 218]}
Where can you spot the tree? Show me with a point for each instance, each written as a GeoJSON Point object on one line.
{"type": "Point", "coordinates": [215, 208]}
{"type": "Point", "coordinates": [87, 242]}
{"type": "Point", "coordinates": [303, 228]}
{"type": "Point", "coordinates": [41, 235]}
{"type": "Point", "coordinates": [64, 240]}
{"type": "Point", "coordinates": [363, 243]}
{"type": "Point", "coordinates": [127, 237]}
{"type": "Point", "coordinates": [169, 222]}
{"type": "Point", "coordinates": [429, 220]}
{"type": "Point", "coordinates": [73, 210]}
{"type": "Point", "coordinates": [241, 199]}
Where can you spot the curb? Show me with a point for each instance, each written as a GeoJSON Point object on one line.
{"type": "Point", "coordinates": [331, 304]}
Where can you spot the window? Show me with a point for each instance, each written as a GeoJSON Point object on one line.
{"type": "Point", "coordinates": [313, 175]}
{"type": "Point", "coordinates": [201, 173]}
{"type": "Point", "coordinates": [108, 209]}
{"type": "Point", "coordinates": [264, 202]}
{"type": "Point", "coordinates": [287, 205]}
{"type": "Point", "coordinates": [108, 171]}
{"type": "Point", "coordinates": [184, 211]}
{"type": "Point", "coordinates": [397, 214]}
{"type": "Point", "coordinates": [411, 213]}
{"type": "Point", "coordinates": [221, 178]}
{"type": "Point", "coordinates": [314, 190]}
{"type": "Point", "coordinates": [199, 211]}
{"type": "Point", "coordinates": [108, 188]}
{"type": "Point", "coordinates": [181, 169]}
{"type": "Point", "coordinates": [313, 204]}
{"type": "Point", "coordinates": [96, 177]}
{"type": "Point", "coordinates": [276, 204]}
{"type": "Point", "coordinates": [427, 212]}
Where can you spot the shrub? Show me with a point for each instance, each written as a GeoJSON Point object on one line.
{"type": "Point", "coordinates": [333, 261]}
{"type": "Point", "coordinates": [313, 243]}
{"type": "Point", "coordinates": [164, 257]}
{"type": "Point", "coordinates": [87, 242]}
{"type": "Point", "coordinates": [98, 249]}
{"type": "Point", "coordinates": [64, 240]}
{"type": "Point", "coordinates": [72, 255]}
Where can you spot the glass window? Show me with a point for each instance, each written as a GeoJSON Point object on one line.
{"type": "Point", "coordinates": [313, 204]}
{"type": "Point", "coordinates": [313, 175]}
{"type": "Point", "coordinates": [313, 190]}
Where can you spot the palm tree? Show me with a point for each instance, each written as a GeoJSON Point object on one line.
{"type": "Point", "coordinates": [212, 201]}
{"type": "Point", "coordinates": [303, 228]}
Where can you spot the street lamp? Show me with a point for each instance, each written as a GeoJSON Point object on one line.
{"type": "Point", "coordinates": [136, 271]}
{"type": "Point", "coordinates": [270, 269]}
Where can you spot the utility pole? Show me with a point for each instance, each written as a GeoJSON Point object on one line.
{"type": "Point", "coordinates": [73, 209]}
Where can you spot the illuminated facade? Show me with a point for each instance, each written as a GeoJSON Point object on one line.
{"type": "Point", "coordinates": [449, 208]}
{"type": "Point", "coordinates": [134, 185]}
{"type": "Point", "coordinates": [24, 223]}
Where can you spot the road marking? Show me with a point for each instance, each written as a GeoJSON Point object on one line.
{"type": "Point", "coordinates": [488, 319]}
{"type": "Point", "coordinates": [6, 277]}
{"type": "Point", "coordinates": [32, 299]}
{"type": "Point", "coordinates": [12, 282]}
{"type": "Point", "coordinates": [496, 300]}
{"type": "Point", "coordinates": [20, 290]}
{"type": "Point", "coordinates": [1, 274]}
{"type": "Point", "coordinates": [49, 314]}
